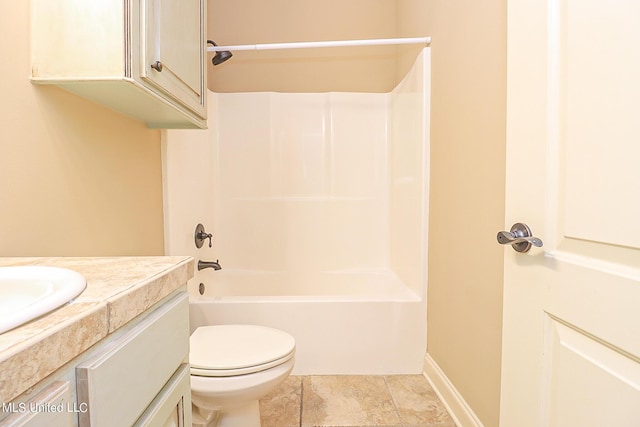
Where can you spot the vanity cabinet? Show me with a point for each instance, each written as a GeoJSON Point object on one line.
{"type": "Point", "coordinates": [142, 374]}
{"type": "Point", "coordinates": [138, 376]}
{"type": "Point", "coordinates": [172, 406]}
{"type": "Point", "coordinates": [144, 58]}
{"type": "Point", "coordinates": [48, 408]}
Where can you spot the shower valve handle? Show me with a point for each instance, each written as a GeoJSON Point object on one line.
{"type": "Point", "coordinates": [201, 235]}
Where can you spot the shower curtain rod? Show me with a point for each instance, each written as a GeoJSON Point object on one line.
{"type": "Point", "coordinates": [337, 43]}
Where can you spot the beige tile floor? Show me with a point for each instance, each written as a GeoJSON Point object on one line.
{"type": "Point", "coordinates": [354, 401]}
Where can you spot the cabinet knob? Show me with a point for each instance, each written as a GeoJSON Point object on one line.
{"type": "Point", "coordinates": [157, 66]}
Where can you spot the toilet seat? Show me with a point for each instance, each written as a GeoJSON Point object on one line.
{"type": "Point", "coordinates": [228, 350]}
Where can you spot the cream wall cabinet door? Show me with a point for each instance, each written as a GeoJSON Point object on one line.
{"type": "Point", "coordinates": [104, 50]}
{"type": "Point", "coordinates": [170, 42]}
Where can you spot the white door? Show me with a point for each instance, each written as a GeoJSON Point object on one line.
{"type": "Point", "coordinates": [571, 335]}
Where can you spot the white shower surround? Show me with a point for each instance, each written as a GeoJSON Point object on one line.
{"type": "Point", "coordinates": [318, 206]}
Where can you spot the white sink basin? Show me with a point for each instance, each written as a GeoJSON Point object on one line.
{"type": "Point", "coordinates": [27, 292]}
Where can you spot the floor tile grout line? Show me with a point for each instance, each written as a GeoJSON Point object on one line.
{"type": "Point", "coordinates": [301, 400]}
{"type": "Point", "coordinates": [393, 400]}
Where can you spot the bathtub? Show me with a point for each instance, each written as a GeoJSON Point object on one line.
{"type": "Point", "coordinates": [319, 216]}
{"type": "Point", "coordinates": [366, 323]}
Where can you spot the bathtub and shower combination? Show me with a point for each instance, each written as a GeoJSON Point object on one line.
{"type": "Point", "coordinates": [318, 205]}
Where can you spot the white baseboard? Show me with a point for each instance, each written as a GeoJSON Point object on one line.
{"type": "Point", "coordinates": [458, 408]}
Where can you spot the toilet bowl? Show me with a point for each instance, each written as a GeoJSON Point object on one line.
{"type": "Point", "coordinates": [232, 367]}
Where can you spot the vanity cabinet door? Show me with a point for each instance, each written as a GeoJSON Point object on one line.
{"type": "Point", "coordinates": [52, 407]}
{"type": "Point", "coordinates": [173, 50]}
{"type": "Point", "coordinates": [118, 384]}
{"type": "Point", "coordinates": [172, 406]}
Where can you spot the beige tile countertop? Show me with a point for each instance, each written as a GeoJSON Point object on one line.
{"type": "Point", "coordinates": [118, 289]}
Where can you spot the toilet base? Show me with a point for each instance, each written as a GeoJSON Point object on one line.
{"type": "Point", "coordinates": [204, 418]}
{"type": "Point", "coordinates": [241, 416]}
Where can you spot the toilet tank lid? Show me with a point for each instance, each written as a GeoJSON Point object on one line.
{"type": "Point", "coordinates": [237, 346]}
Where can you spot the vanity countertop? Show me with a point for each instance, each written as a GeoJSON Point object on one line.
{"type": "Point", "coordinates": [118, 289]}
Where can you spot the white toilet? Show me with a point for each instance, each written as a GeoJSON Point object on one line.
{"type": "Point", "coordinates": [232, 367]}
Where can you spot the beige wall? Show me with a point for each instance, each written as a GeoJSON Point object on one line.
{"type": "Point", "coordinates": [361, 69]}
{"type": "Point", "coordinates": [75, 178]}
{"type": "Point", "coordinates": [468, 108]}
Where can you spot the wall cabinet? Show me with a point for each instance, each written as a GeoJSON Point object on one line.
{"type": "Point", "coordinates": [144, 58]}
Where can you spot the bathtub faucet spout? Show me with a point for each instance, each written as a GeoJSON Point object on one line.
{"type": "Point", "coordinates": [208, 264]}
